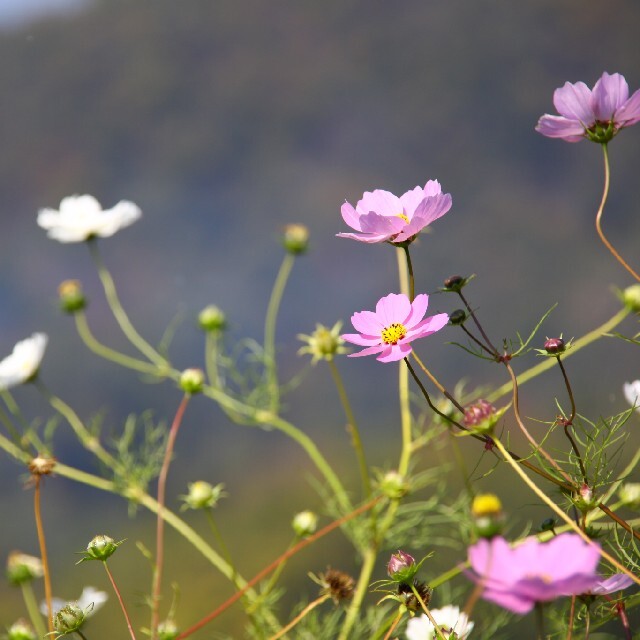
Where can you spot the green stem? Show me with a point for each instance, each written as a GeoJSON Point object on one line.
{"type": "Point", "coordinates": [353, 429]}
{"type": "Point", "coordinates": [547, 363]}
{"type": "Point", "coordinates": [605, 194]}
{"type": "Point", "coordinates": [221, 543]}
{"type": "Point", "coordinates": [368, 564]}
{"type": "Point", "coordinates": [119, 313]}
{"type": "Point", "coordinates": [412, 288]}
{"type": "Point", "coordinates": [270, 330]}
{"type": "Point", "coordinates": [436, 626]}
{"type": "Point", "coordinates": [32, 608]}
{"type": "Point", "coordinates": [212, 340]}
{"type": "Point", "coordinates": [111, 354]}
{"type": "Point", "coordinates": [540, 621]}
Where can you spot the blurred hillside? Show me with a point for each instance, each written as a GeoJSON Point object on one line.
{"type": "Point", "coordinates": [226, 120]}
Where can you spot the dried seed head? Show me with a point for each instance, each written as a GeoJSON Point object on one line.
{"type": "Point", "coordinates": [339, 585]}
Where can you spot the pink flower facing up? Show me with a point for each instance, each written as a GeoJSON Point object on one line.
{"type": "Point", "coordinates": [391, 328]}
{"type": "Point", "coordinates": [516, 578]}
{"type": "Point", "coordinates": [382, 217]}
{"type": "Point", "coordinates": [597, 114]}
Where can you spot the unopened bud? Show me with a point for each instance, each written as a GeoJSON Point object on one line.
{"type": "Point", "coordinates": [488, 519]}
{"type": "Point", "coordinates": [481, 416]}
{"type": "Point", "coordinates": [71, 296]}
{"type": "Point", "coordinates": [305, 523]}
{"type": "Point", "coordinates": [631, 298]}
{"type": "Point", "coordinates": [23, 568]}
{"type": "Point", "coordinates": [585, 500]}
{"type": "Point", "coordinates": [212, 318]}
{"type": "Point", "coordinates": [203, 495]}
{"type": "Point", "coordinates": [69, 619]}
{"type": "Point", "coordinates": [168, 630]}
{"type": "Point", "coordinates": [394, 485]}
{"type": "Point", "coordinates": [456, 283]}
{"type": "Point", "coordinates": [401, 567]}
{"type": "Point", "coordinates": [192, 380]}
{"type": "Point", "coordinates": [295, 238]}
{"type": "Point", "coordinates": [554, 346]}
{"type": "Point", "coordinates": [21, 630]}
{"type": "Point", "coordinates": [548, 524]}
{"type": "Point", "coordinates": [457, 317]}
{"type": "Point", "coordinates": [629, 494]}
{"type": "Point", "coordinates": [101, 548]}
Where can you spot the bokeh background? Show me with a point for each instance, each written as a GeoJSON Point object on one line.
{"type": "Point", "coordinates": [227, 120]}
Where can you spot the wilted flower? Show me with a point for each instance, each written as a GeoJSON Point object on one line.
{"type": "Point", "coordinates": [394, 324]}
{"type": "Point", "coordinates": [23, 568]}
{"type": "Point", "coordinates": [323, 343]}
{"type": "Point", "coordinates": [407, 597]}
{"type": "Point", "coordinates": [42, 465]}
{"type": "Point", "coordinates": [449, 619]}
{"type": "Point", "coordinates": [632, 393]}
{"type": "Point", "coordinates": [81, 218]}
{"type": "Point", "coordinates": [203, 495]}
{"type": "Point", "coordinates": [382, 217]}
{"type": "Point", "coordinates": [596, 114]}
{"type": "Point", "coordinates": [516, 578]}
{"type": "Point", "coordinates": [338, 584]}
{"type": "Point", "coordinates": [23, 363]}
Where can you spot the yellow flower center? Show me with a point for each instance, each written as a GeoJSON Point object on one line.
{"type": "Point", "coordinates": [401, 215]}
{"type": "Point", "coordinates": [393, 333]}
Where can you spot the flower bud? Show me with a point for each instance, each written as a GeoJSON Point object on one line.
{"type": "Point", "coordinates": [21, 630]}
{"type": "Point", "coordinates": [631, 298]}
{"type": "Point", "coordinates": [192, 380]}
{"type": "Point", "coordinates": [548, 524]}
{"type": "Point", "coordinates": [394, 485]}
{"type": "Point", "coordinates": [101, 548]}
{"type": "Point", "coordinates": [71, 296]}
{"type": "Point", "coordinates": [304, 523]}
{"type": "Point", "coordinates": [629, 494]}
{"type": "Point", "coordinates": [481, 416]}
{"type": "Point", "coordinates": [295, 238]}
{"type": "Point", "coordinates": [456, 283]}
{"type": "Point", "coordinates": [401, 567]}
{"type": "Point", "coordinates": [488, 519]}
{"type": "Point", "coordinates": [585, 500]}
{"type": "Point", "coordinates": [203, 495]}
{"type": "Point", "coordinates": [554, 346]}
{"type": "Point", "coordinates": [23, 568]}
{"type": "Point", "coordinates": [168, 630]}
{"type": "Point", "coordinates": [69, 619]}
{"type": "Point", "coordinates": [457, 317]}
{"type": "Point", "coordinates": [212, 319]}
{"type": "Point", "coordinates": [323, 343]}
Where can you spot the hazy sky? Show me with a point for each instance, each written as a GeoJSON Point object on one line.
{"type": "Point", "coordinates": [14, 12]}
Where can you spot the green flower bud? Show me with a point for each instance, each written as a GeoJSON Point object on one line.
{"type": "Point", "coordinates": [488, 519]}
{"type": "Point", "coordinates": [585, 499]}
{"type": "Point", "coordinates": [394, 485]}
{"type": "Point", "coordinates": [457, 317]}
{"type": "Point", "coordinates": [71, 296]}
{"type": "Point", "coordinates": [203, 495]}
{"type": "Point", "coordinates": [631, 298]}
{"type": "Point", "coordinates": [456, 283]}
{"type": "Point", "coordinates": [212, 319]}
{"type": "Point", "coordinates": [629, 494]}
{"type": "Point", "coordinates": [402, 567]}
{"type": "Point", "coordinates": [69, 619]}
{"type": "Point", "coordinates": [548, 524]}
{"type": "Point", "coordinates": [21, 630]}
{"type": "Point", "coordinates": [101, 548]}
{"type": "Point", "coordinates": [304, 523]}
{"type": "Point", "coordinates": [23, 568]}
{"type": "Point", "coordinates": [323, 343]}
{"type": "Point", "coordinates": [192, 380]}
{"type": "Point", "coordinates": [295, 238]}
{"type": "Point", "coordinates": [168, 630]}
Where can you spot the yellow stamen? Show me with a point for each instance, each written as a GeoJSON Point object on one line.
{"type": "Point", "coordinates": [393, 333]}
{"type": "Point", "coordinates": [401, 215]}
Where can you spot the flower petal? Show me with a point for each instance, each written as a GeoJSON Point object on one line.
{"type": "Point", "coordinates": [395, 352]}
{"type": "Point", "coordinates": [629, 112]}
{"type": "Point", "coordinates": [369, 351]}
{"type": "Point", "coordinates": [417, 311]}
{"type": "Point", "coordinates": [367, 322]}
{"type": "Point", "coordinates": [350, 216]}
{"type": "Point", "coordinates": [574, 102]}
{"type": "Point", "coordinates": [381, 202]}
{"type": "Point", "coordinates": [393, 308]}
{"type": "Point", "coordinates": [608, 95]}
{"type": "Point", "coordinates": [560, 127]}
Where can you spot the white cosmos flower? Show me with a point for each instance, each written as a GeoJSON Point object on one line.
{"type": "Point", "coordinates": [632, 393]}
{"type": "Point", "coordinates": [90, 600]}
{"type": "Point", "coordinates": [81, 217]}
{"type": "Point", "coordinates": [24, 361]}
{"type": "Point", "coordinates": [449, 619]}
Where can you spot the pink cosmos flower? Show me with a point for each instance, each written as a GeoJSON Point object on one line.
{"type": "Point", "coordinates": [394, 324]}
{"type": "Point", "coordinates": [382, 217]}
{"type": "Point", "coordinates": [617, 582]}
{"type": "Point", "coordinates": [516, 578]}
{"type": "Point", "coordinates": [597, 114]}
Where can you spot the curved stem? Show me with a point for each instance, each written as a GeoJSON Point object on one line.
{"type": "Point", "coordinates": [353, 429]}
{"type": "Point", "coordinates": [32, 609]}
{"type": "Point", "coordinates": [270, 330]}
{"type": "Point", "coordinates": [118, 311]}
{"type": "Point", "coordinates": [368, 564]}
{"type": "Point", "coordinates": [605, 194]}
{"type": "Point", "coordinates": [394, 624]}
{"type": "Point", "coordinates": [120, 600]}
{"type": "Point", "coordinates": [111, 354]}
{"type": "Point", "coordinates": [43, 552]}
{"type": "Point", "coordinates": [310, 607]}
{"type": "Point", "coordinates": [433, 379]}
{"type": "Point", "coordinates": [162, 482]}
{"type": "Point", "coordinates": [491, 348]}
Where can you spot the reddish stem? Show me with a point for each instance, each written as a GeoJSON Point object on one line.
{"type": "Point", "coordinates": [43, 553]}
{"type": "Point", "coordinates": [120, 600]}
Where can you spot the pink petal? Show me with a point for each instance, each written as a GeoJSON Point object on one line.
{"type": "Point", "coordinates": [360, 340]}
{"type": "Point", "coordinates": [617, 582]}
{"type": "Point", "coordinates": [574, 102]}
{"type": "Point", "coordinates": [410, 201]}
{"type": "Point", "coordinates": [382, 202]}
{"type": "Point", "coordinates": [367, 322]}
{"type": "Point", "coordinates": [350, 216]}
{"type": "Point", "coordinates": [368, 352]}
{"type": "Point", "coordinates": [560, 127]}
{"type": "Point", "coordinates": [609, 94]}
{"type": "Point", "coordinates": [393, 308]}
{"type": "Point", "coordinates": [377, 224]}
{"type": "Point", "coordinates": [629, 112]}
{"type": "Point", "coordinates": [432, 188]}
{"type": "Point", "coordinates": [370, 238]}
{"type": "Point", "coordinates": [395, 352]}
{"type": "Point", "coordinates": [428, 326]}
{"type": "Point", "coordinates": [418, 309]}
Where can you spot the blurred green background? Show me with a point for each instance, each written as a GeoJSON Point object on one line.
{"type": "Point", "coordinates": [227, 120]}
